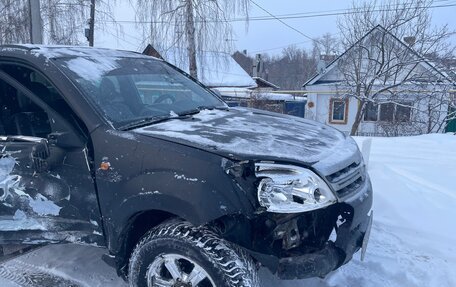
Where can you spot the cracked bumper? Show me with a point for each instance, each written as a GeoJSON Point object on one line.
{"type": "Point", "coordinates": [350, 238]}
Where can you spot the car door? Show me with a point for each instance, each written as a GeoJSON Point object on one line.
{"type": "Point", "coordinates": [47, 192]}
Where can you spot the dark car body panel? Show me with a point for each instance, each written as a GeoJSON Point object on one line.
{"type": "Point", "coordinates": [154, 174]}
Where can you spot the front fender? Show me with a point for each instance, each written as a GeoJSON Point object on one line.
{"type": "Point", "coordinates": [190, 198]}
{"type": "Point", "coordinates": [186, 182]}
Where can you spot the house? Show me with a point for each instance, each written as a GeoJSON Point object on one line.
{"type": "Point", "coordinates": [375, 95]}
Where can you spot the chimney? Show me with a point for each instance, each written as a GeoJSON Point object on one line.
{"type": "Point", "coordinates": [410, 40]}
{"type": "Point", "coordinates": [244, 52]}
{"type": "Point", "coordinates": [258, 66]}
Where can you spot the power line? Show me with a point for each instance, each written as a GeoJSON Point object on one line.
{"type": "Point", "coordinates": [344, 11]}
{"type": "Point", "coordinates": [302, 15]}
{"type": "Point", "coordinates": [284, 23]}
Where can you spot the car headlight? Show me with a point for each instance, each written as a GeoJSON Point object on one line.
{"type": "Point", "coordinates": [291, 189]}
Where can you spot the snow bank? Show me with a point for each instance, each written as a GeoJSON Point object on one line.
{"type": "Point", "coordinates": [414, 234]}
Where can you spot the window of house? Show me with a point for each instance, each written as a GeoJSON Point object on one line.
{"type": "Point", "coordinates": [403, 113]}
{"type": "Point", "coordinates": [395, 112]}
{"type": "Point", "coordinates": [387, 112]}
{"type": "Point", "coordinates": [371, 112]}
{"type": "Point", "coordinates": [338, 111]}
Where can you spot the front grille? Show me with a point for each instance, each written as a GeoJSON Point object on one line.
{"type": "Point", "coordinates": [348, 180]}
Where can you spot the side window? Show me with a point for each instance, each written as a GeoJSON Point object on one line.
{"type": "Point", "coordinates": [20, 115]}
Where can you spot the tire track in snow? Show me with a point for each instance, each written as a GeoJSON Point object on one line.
{"type": "Point", "coordinates": [28, 275]}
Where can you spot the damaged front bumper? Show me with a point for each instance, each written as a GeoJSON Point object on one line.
{"type": "Point", "coordinates": [304, 256]}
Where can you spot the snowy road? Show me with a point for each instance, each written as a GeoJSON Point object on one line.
{"type": "Point", "coordinates": [412, 241]}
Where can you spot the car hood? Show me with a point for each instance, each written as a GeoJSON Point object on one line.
{"type": "Point", "coordinates": [242, 133]}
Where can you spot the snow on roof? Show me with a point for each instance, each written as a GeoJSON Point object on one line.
{"type": "Point", "coordinates": [245, 93]}
{"type": "Point", "coordinates": [215, 69]}
{"type": "Point", "coordinates": [265, 82]}
{"type": "Point", "coordinates": [232, 92]}
{"type": "Point", "coordinates": [279, 97]}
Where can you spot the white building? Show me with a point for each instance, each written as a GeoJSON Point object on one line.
{"type": "Point", "coordinates": [414, 100]}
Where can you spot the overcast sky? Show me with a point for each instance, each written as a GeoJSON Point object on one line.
{"type": "Point", "coordinates": [269, 36]}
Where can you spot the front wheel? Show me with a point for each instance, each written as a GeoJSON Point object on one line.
{"type": "Point", "coordinates": [177, 254]}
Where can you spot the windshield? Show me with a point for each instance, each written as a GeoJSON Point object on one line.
{"type": "Point", "coordinates": [136, 90]}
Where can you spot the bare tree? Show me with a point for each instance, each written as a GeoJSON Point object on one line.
{"type": "Point", "coordinates": [290, 68]}
{"type": "Point", "coordinates": [327, 45]}
{"type": "Point", "coordinates": [379, 68]}
{"type": "Point", "coordinates": [287, 70]}
{"type": "Point", "coordinates": [14, 23]}
{"type": "Point", "coordinates": [190, 26]}
{"type": "Point", "coordinates": [63, 20]}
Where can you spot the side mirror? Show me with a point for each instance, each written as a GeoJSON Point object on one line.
{"type": "Point", "coordinates": [65, 140]}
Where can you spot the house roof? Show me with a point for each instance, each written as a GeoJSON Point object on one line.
{"type": "Point", "coordinates": [151, 51]}
{"type": "Point", "coordinates": [215, 69]}
{"type": "Point", "coordinates": [264, 84]}
{"type": "Point", "coordinates": [333, 63]}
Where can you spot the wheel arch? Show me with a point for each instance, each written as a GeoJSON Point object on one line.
{"type": "Point", "coordinates": [138, 225]}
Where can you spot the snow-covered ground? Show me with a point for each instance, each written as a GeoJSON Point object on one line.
{"type": "Point", "coordinates": [412, 241]}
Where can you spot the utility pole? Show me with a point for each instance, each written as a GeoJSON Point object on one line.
{"type": "Point", "coordinates": [36, 33]}
{"type": "Point", "coordinates": [190, 30]}
{"type": "Point", "coordinates": [92, 23]}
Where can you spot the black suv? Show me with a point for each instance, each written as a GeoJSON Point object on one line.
{"type": "Point", "coordinates": [124, 151]}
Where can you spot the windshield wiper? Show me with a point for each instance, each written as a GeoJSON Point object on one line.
{"type": "Point", "coordinates": [200, 108]}
{"type": "Point", "coordinates": [158, 119]}
{"type": "Point", "coordinates": [149, 121]}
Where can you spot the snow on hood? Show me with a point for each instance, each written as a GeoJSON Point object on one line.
{"type": "Point", "coordinates": [251, 134]}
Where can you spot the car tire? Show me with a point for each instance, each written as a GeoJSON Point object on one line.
{"type": "Point", "coordinates": [177, 253]}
